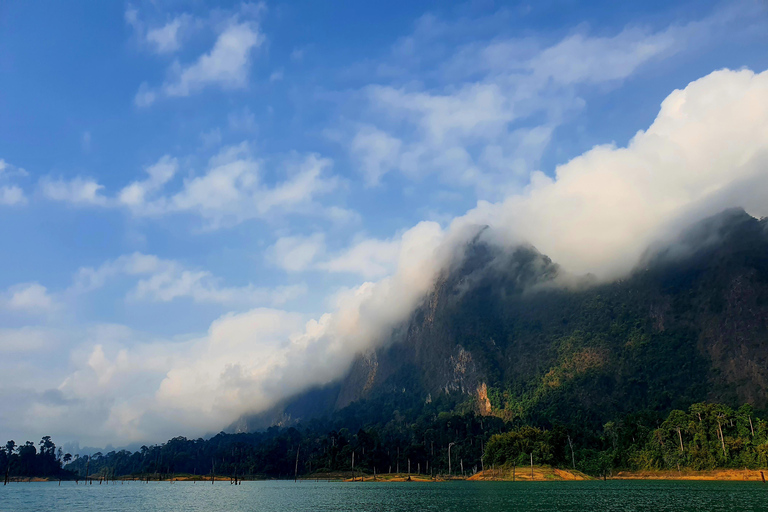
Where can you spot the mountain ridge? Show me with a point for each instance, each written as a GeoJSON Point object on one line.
{"type": "Point", "coordinates": [497, 335]}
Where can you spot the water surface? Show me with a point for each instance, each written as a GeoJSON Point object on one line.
{"type": "Point", "coordinates": [282, 496]}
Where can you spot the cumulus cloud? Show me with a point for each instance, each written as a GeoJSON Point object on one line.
{"type": "Point", "coordinates": [370, 258]}
{"type": "Point", "coordinates": [246, 361]}
{"type": "Point", "coordinates": [29, 298]}
{"type": "Point", "coordinates": [7, 170]}
{"type": "Point", "coordinates": [296, 253]}
{"type": "Point", "coordinates": [231, 190]}
{"type": "Point", "coordinates": [226, 65]}
{"type": "Point", "coordinates": [489, 128]}
{"type": "Point", "coordinates": [11, 195]}
{"type": "Point", "coordinates": [603, 208]}
{"type": "Point", "coordinates": [79, 191]}
{"type": "Point", "coordinates": [163, 280]}
{"type": "Point", "coordinates": [166, 39]}
{"type": "Point", "coordinates": [159, 173]}
{"type": "Point", "coordinates": [707, 149]}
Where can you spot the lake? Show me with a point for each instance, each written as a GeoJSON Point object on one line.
{"type": "Point", "coordinates": [459, 496]}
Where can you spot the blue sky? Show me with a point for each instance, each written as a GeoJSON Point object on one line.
{"type": "Point", "coordinates": [173, 168]}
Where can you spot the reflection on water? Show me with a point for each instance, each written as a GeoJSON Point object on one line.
{"type": "Point", "coordinates": [624, 496]}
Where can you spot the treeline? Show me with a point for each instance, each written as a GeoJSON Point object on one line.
{"type": "Point", "coordinates": [706, 436]}
{"type": "Point", "coordinates": [28, 460]}
{"type": "Point", "coordinates": [397, 446]}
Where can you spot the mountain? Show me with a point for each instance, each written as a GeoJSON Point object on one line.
{"type": "Point", "coordinates": [500, 334]}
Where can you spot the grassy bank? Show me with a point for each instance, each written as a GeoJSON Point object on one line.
{"type": "Point", "coordinates": [524, 473]}
{"type": "Point", "coordinates": [753, 475]}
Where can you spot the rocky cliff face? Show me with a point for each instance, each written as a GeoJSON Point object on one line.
{"type": "Point", "coordinates": [497, 335]}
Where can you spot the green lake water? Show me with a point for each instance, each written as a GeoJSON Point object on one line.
{"type": "Point", "coordinates": [282, 496]}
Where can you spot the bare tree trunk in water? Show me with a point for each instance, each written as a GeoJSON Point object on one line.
{"type": "Point", "coordinates": [296, 469]}
{"type": "Point", "coordinates": [573, 457]}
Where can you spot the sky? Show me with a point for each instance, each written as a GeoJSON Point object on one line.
{"type": "Point", "coordinates": [207, 208]}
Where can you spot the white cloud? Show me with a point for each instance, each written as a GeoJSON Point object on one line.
{"type": "Point", "coordinates": [296, 253]}
{"type": "Point", "coordinates": [160, 173]}
{"type": "Point", "coordinates": [161, 38]}
{"type": "Point", "coordinates": [375, 152]}
{"type": "Point", "coordinates": [145, 96]}
{"type": "Point", "coordinates": [8, 170]}
{"type": "Point", "coordinates": [246, 362]}
{"type": "Point", "coordinates": [162, 280]}
{"type": "Point", "coordinates": [230, 191]}
{"type": "Point", "coordinates": [369, 258]}
{"type": "Point", "coordinates": [226, 65]}
{"type": "Point", "coordinates": [489, 128]}
{"type": "Point", "coordinates": [29, 298]}
{"type": "Point", "coordinates": [166, 39]}
{"type": "Point", "coordinates": [78, 190]}
{"type": "Point", "coordinates": [11, 195]}
{"type": "Point", "coordinates": [583, 59]}
{"type": "Point", "coordinates": [602, 209]}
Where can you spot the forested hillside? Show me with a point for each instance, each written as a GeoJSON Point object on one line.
{"type": "Point", "coordinates": [502, 336]}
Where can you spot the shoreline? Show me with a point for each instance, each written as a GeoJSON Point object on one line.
{"type": "Point", "coordinates": [740, 475]}
{"type": "Point", "coordinates": [520, 474]}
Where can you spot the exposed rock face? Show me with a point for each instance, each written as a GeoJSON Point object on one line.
{"type": "Point", "coordinates": [690, 324]}
{"type": "Point", "coordinates": [427, 356]}
{"type": "Point", "coordinates": [483, 403]}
